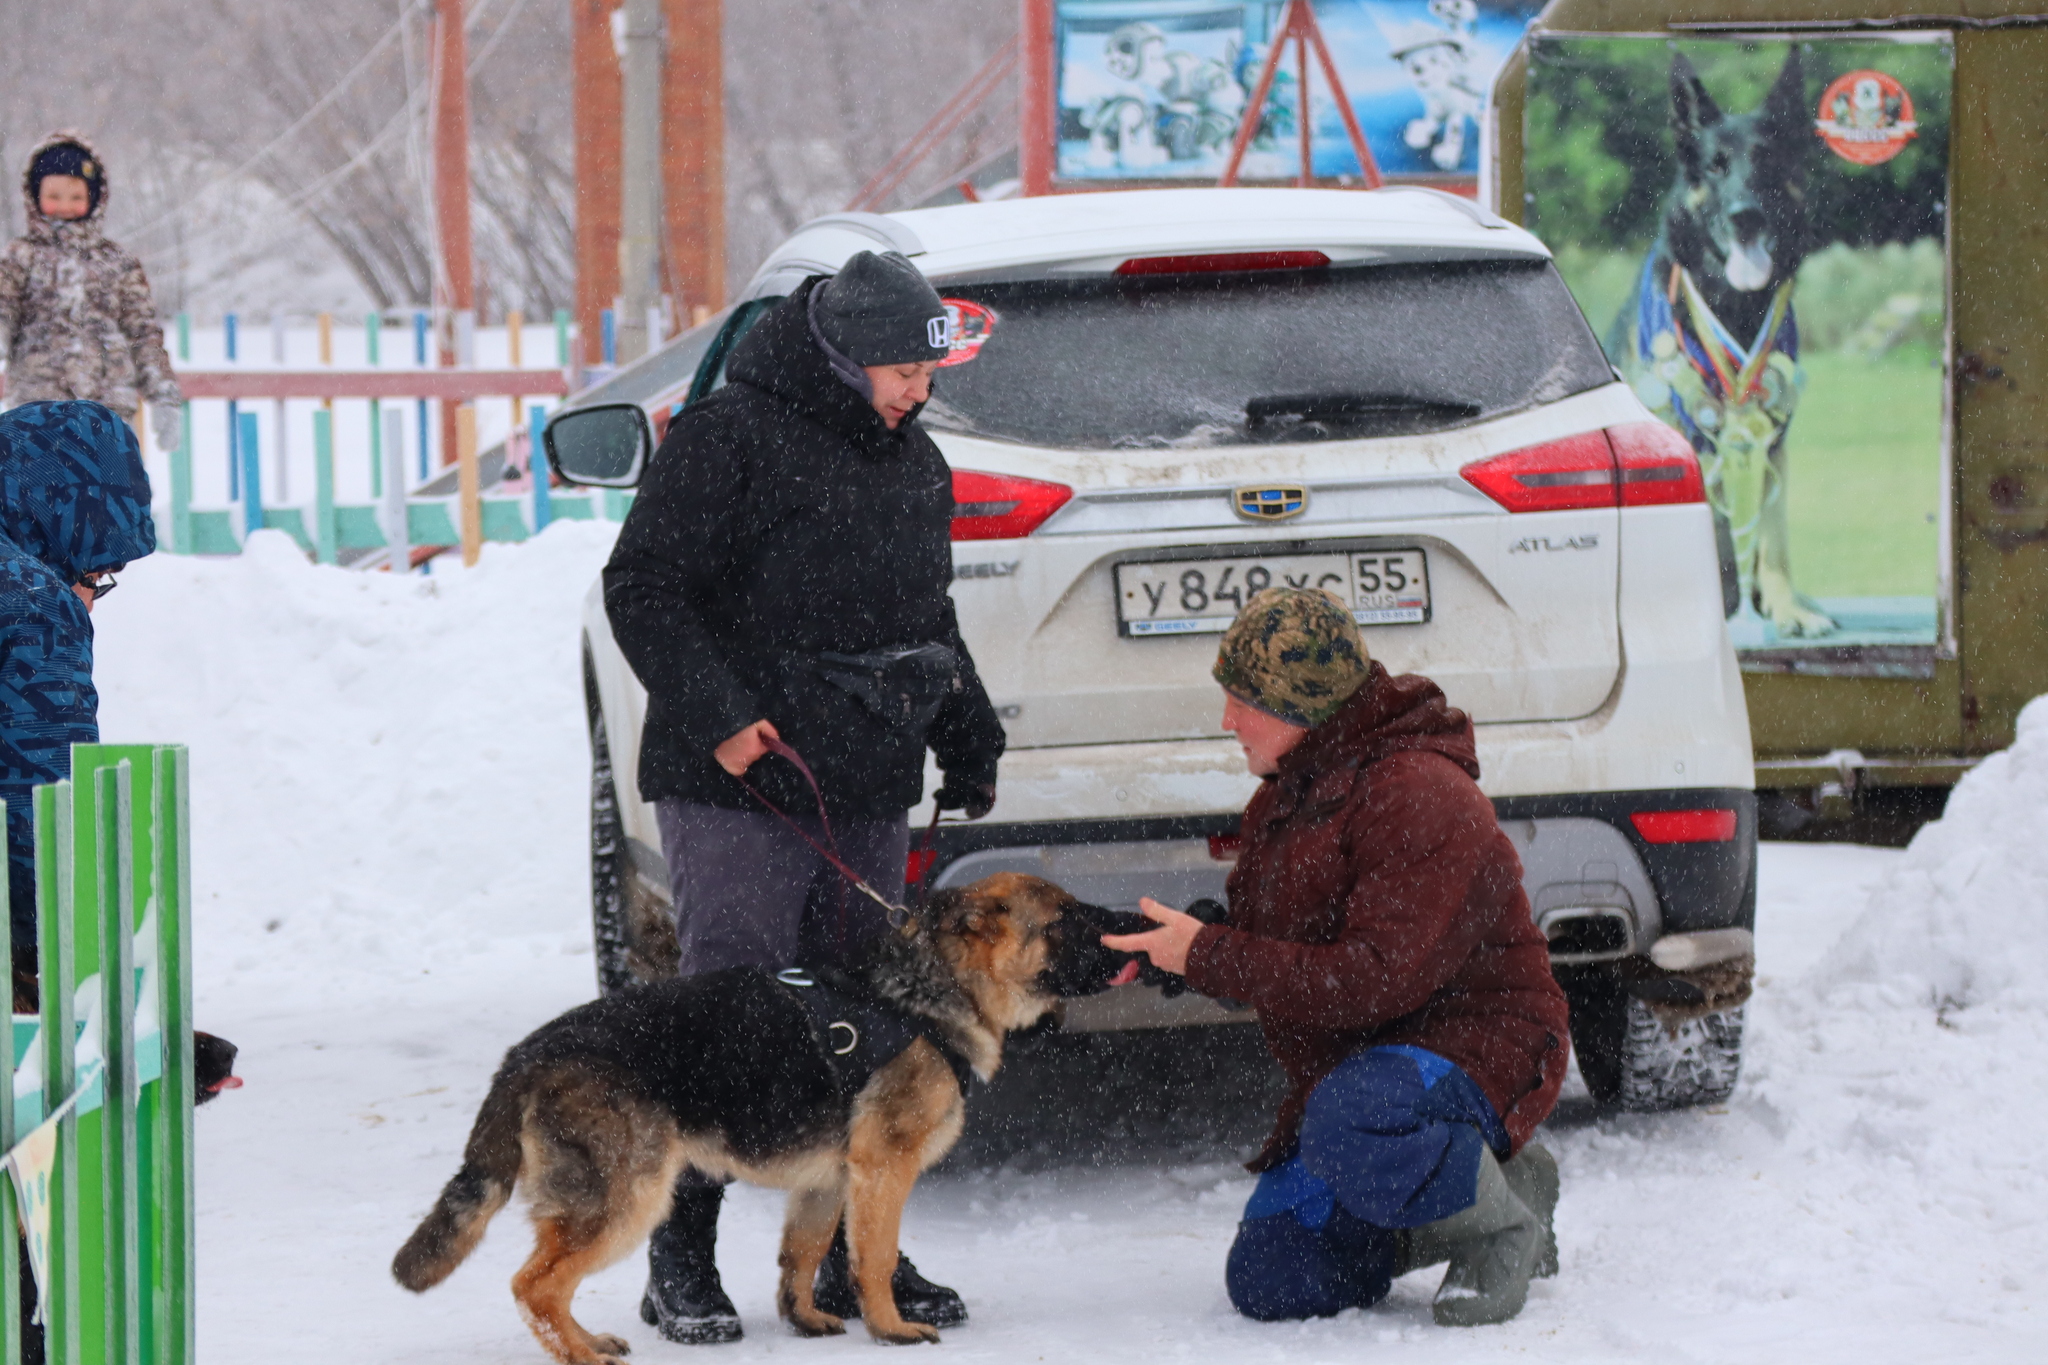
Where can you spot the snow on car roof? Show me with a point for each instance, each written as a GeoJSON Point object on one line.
{"type": "Point", "coordinates": [1106, 227]}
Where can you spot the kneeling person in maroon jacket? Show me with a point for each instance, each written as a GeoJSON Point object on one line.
{"type": "Point", "coordinates": [1378, 923]}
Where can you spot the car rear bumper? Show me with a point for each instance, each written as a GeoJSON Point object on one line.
{"type": "Point", "coordinates": [1600, 889]}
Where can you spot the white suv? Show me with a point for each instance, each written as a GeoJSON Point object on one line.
{"type": "Point", "coordinates": [1162, 400]}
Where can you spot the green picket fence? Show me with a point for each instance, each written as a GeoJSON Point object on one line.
{"type": "Point", "coordinates": [105, 1190]}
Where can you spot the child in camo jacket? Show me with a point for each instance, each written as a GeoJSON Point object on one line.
{"type": "Point", "coordinates": [77, 309]}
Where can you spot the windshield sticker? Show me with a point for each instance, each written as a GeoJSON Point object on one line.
{"type": "Point", "coordinates": [973, 324]}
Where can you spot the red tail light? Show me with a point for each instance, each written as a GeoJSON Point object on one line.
{"type": "Point", "coordinates": [1658, 465]}
{"type": "Point", "coordinates": [1223, 260]}
{"type": "Point", "coordinates": [1652, 464]}
{"type": "Point", "coordinates": [1002, 506]}
{"type": "Point", "coordinates": [1684, 826]}
{"type": "Point", "coordinates": [1562, 476]}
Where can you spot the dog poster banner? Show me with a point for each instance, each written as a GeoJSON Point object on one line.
{"type": "Point", "coordinates": [31, 1164]}
{"type": "Point", "coordinates": [1758, 231]}
{"type": "Point", "coordinates": [1157, 89]}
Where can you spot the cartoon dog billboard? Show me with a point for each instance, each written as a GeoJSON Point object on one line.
{"type": "Point", "coordinates": [1758, 231]}
{"type": "Point", "coordinates": [1157, 89]}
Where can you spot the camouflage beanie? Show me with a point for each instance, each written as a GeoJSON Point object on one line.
{"type": "Point", "coordinates": [1294, 653]}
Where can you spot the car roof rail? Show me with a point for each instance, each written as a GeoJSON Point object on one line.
{"type": "Point", "coordinates": [879, 226]}
{"type": "Point", "coordinates": [1468, 207]}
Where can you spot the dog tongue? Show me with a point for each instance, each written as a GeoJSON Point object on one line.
{"type": "Point", "coordinates": [1749, 266]}
{"type": "Point", "coordinates": [1127, 975]}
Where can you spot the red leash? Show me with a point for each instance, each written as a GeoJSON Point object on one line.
{"type": "Point", "coordinates": [899, 916]}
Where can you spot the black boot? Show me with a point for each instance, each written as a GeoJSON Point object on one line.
{"type": "Point", "coordinates": [917, 1299]}
{"type": "Point", "coordinates": [684, 1299]}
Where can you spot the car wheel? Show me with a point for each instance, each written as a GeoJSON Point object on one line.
{"type": "Point", "coordinates": [608, 871]}
{"type": "Point", "coordinates": [1633, 1060]}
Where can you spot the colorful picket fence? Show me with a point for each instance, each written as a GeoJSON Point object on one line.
{"type": "Point", "coordinates": [98, 1128]}
{"type": "Point", "coordinates": [459, 495]}
{"type": "Point", "coordinates": [453, 508]}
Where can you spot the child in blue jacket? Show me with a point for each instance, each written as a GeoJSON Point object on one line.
{"type": "Point", "coordinates": [74, 509]}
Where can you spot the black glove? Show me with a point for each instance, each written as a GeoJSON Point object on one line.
{"type": "Point", "coordinates": [976, 798]}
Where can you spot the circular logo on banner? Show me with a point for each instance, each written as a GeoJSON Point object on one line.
{"type": "Point", "coordinates": [1866, 118]}
{"type": "Point", "coordinates": [973, 323]}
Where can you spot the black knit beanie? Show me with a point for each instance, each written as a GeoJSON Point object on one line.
{"type": "Point", "coordinates": [68, 158]}
{"type": "Point", "coordinates": [881, 310]}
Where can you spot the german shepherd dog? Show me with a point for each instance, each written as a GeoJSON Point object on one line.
{"type": "Point", "coordinates": [1710, 342]}
{"type": "Point", "coordinates": [596, 1113]}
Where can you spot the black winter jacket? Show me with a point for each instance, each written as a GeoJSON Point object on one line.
{"type": "Point", "coordinates": [781, 518]}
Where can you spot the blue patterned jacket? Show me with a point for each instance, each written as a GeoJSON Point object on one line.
{"type": "Point", "coordinates": [74, 500]}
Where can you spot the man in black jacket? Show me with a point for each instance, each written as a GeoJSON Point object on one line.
{"type": "Point", "coordinates": [783, 576]}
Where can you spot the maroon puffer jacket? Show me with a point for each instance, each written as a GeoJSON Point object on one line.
{"type": "Point", "coordinates": [1376, 901]}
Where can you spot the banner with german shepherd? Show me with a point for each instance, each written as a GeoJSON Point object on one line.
{"type": "Point", "coordinates": [1758, 232]}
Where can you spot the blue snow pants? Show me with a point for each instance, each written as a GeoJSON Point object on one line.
{"type": "Point", "coordinates": [1390, 1139]}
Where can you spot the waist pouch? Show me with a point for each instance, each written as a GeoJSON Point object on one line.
{"type": "Point", "coordinates": [903, 686]}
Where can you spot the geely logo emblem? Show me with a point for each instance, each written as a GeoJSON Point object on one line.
{"type": "Point", "coordinates": [1271, 503]}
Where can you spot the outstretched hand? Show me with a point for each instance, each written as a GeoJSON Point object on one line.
{"type": "Point", "coordinates": [1167, 946]}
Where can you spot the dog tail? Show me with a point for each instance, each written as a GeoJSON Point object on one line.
{"type": "Point", "coordinates": [490, 1167]}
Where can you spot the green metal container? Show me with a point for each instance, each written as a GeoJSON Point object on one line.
{"type": "Point", "coordinates": [1843, 733]}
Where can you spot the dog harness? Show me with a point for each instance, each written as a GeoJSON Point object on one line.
{"type": "Point", "coordinates": [862, 1034]}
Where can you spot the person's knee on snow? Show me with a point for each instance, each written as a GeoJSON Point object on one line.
{"type": "Point", "coordinates": [1301, 1254]}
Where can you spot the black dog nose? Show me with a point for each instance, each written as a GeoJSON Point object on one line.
{"type": "Point", "coordinates": [1083, 966]}
{"type": "Point", "coordinates": [1748, 224]}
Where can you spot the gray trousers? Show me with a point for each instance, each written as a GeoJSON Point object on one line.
{"type": "Point", "coordinates": [750, 893]}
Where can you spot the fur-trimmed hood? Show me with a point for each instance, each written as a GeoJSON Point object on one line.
{"type": "Point", "coordinates": [71, 229]}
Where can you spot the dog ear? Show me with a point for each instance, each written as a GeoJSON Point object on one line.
{"type": "Point", "coordinates": [957, 911]}
{"type": "Point", "coordinates": [1692, 111]}
{"type": "Point", "coordinates": [1783, 123]}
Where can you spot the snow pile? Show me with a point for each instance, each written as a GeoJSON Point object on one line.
{"type": "Point", "coordinates": [385, 769]}
{"type": "Point", "coordinates": [1963, 918]}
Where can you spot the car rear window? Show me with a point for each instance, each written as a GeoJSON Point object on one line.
{"type": "Point", "coordinates": [1258, 357]}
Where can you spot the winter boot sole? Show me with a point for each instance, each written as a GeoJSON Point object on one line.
{"type": "Point", "coordinates": [712, 1329]}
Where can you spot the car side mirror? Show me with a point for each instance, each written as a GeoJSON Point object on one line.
{"type": "Point", "coordinates": [606, 445]}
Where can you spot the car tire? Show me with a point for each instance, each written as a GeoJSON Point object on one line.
{"type": "Point", "coordinates": [1632, 1060]}
{"type": "Point", "coordinates": [609, 918]}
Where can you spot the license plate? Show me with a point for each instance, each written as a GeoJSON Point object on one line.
{"type": "Point", "coordinates": [1203, 596]}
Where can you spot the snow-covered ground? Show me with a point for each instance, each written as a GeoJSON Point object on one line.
{"type": "Point", "coordinates": [389, 791]}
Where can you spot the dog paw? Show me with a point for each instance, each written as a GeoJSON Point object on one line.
{"type": "Point", "coordinates": [1795, 619]}
{"type": "Point", "coordinates": [904, 1333]}
{"type": "Point", "coordinates": [1791, 613]}
{"type": "Point", "coordinates": [608, 1346]}
{"type": "Point", "coordinates": [815, 1324]}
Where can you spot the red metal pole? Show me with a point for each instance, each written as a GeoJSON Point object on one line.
{"type": "Point", "coordinates": [595, 97]}
{"type": "Point", "coordinates": [1037, 116]}
{"type": "Point", "coordinates": [1368, 167]}
{"type": "Point", "coordinates": [951, 115]}
{"type": "Point", "coordinates": [1255, 111]}
{"type": "Point", "coordinates": [451, 187]}
{"type": "Point", "coordinates": [1307, 163]}
{"type": "Point", "coordinates": [693, 156]}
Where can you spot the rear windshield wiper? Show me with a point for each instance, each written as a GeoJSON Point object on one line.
{"type": "Point", "coordinates": [1356, 409]}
